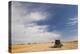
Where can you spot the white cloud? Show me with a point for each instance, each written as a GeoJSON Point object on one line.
{"type": "Point", "coordinates": [73, 21]}
{"type": "Point", "coordinates": [24, 31]}
{"type": "Point", "coordinates": [34, 33]}
{"type": "Point", "coordinates": [37, 15]}
{"type": "Point", "coordinates": [24, 14]}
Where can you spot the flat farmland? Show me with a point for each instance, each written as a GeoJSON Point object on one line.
{"type": "Point", "coordinates": [42, 47]}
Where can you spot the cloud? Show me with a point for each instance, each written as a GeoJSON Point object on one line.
{"type": "Point", "coordinates": [22, 13]}
{"type": "Point", "coordinates": [34, 33]}
{"type": "Point", "coordinates": [23, 28]}
{"type": "Point", "coordinates": [73, 21]}
{"type": "Point", "coordinates": [37, 15]}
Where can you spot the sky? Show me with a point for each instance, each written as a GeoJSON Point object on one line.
{"type": "Point", "coordinates": [43, 22]}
